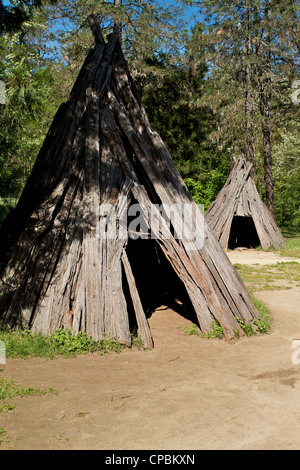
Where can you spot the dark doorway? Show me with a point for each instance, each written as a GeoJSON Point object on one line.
{"type": "Point", "coordinates": [156, 280]}
{"type": "Point", "coordinates": [243, 233]}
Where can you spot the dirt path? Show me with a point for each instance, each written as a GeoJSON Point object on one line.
{"type": "Point", "coordinates": [187, 393]}
{"type": "Point", "coordinates": [253, 256]}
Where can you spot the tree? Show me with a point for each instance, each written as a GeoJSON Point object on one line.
{"type": "Point", "coordinates": [249, 105]}
{"type": "Point", "coordinates": [165, 84]}
{"type": "Point", "coordinates": [250, 43]}
{"type": "Point", "coordinates": [12, 17]}
{"type": "Point", "coordinates": [27, 110]}
{"type": "Point", "coordinates": [274, 48]}
{"type": "Point", "coordinates": [287, 177]}
{"type": "Point", "coordinates": [147, 26]}
{"type": "Point", "coordinates": [178, 88]}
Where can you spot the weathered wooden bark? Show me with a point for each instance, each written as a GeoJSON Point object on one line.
{"type": "Point", "coordinates": [239, 198]}
{"type": "Point", "coordinates": [65, 261]}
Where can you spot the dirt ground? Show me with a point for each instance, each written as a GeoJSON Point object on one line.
{"type": "Point", "coordinates": [186, 394]}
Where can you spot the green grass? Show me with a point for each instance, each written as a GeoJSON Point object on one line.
{"type": "Point", "coordinates": [3, 436]}
{"type": "Point", "coordinates": [9, 390]}
{"type": "Point", "coordinates": [292, 248]}
{"type": "Point", "coordinates": [257, 278]}
{"type": "Point", "coordinates": [24, 344]}
{"type": "Point", "coordinates": [262, 326]}
{"type": "Point", "coordinates": [270, 277]}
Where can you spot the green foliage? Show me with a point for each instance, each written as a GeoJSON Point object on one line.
{"type": "Point", "coordinates": [9, 389]}
{"type": "Point", "coordinates": [26, 113]}
{"type": "Point", "coordinates": [24, 343]}
{"type": "Point", "coordinates": [2, 434]}
{"type": "Point", "coordinates": [217, 331]}
{"type": "Point", "coordinates": [6, 204]}
{"type": "Point", "coordinates": [246, 327]}
{"type": "Point", "coordinates": [286, 172]}
{"type": "Point", "coordinates": [264, 324]}
{"type": "Point", "coordinates": [171, 94]}
{"type": "Point", "coordinates": [205, 190]}
{"type": "Point", "coordinates": [260, 38]}
{"type": "Point", "coordinates": [148, 28]}
{"type": "Point", "coordinates": [261, 326]}
{"type": "Point", "coordinates": [191, 330]}
{"type": "Point", "coordinates": [13, 14]}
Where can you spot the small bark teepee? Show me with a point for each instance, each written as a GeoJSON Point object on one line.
{"type": "Point", "coordinates": [238, 217]}
{"type": "Point", "coordinates": [61, 266]}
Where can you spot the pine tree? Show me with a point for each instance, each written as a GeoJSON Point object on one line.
{"type": "Point", "coordinates": [251, 43]}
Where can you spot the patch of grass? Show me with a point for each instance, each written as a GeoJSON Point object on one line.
{"type": "Point", "coordinates": [24, 344]}
{"type": "Point", "coordinates": [292, 248]}
{"type": "Point", "coordinates": [3, 436]}
{"type": "Point", "coordinates": [190, 330]}
{"type": "Point", "coordinates": [261, 326]}
{"type": "Point", "coordinates": [10, 390]}
{"type": "Point", "coordinates": [258, 278]}
{"type": "Point", "coordinates": [292, 237]}
{"type": "Point", "coordinates": [216, 332]}
{"type": "Point", "coordinates": [136, 341]}
{"type": "Point", "coordinates": [247, 328]}
{"type": "Point", "coordinates": [194, 330]}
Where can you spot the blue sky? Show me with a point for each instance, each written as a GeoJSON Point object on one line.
{"type": "Point", "coordinates": [190, 12]}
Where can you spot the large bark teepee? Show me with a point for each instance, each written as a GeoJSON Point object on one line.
{"type": "Point", "coordinates": [238, 217]}
{"type": "Point", "coordinates": [61, 265]}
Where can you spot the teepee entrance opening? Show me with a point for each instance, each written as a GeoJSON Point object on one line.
{"type": "Point", "coordinates": [243, 233]}
{"type": "Point", "coordinates": [157, 283]}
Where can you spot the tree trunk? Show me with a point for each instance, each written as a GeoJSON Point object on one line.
{"type": "Point", "coordinates": [249, 107]}
{"type": "Point", "coordinates": [266, 134]}
{"type": "Point", "coordinates": [265, 93]}
{"type": "Point", "coordinates": [118, 24]}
